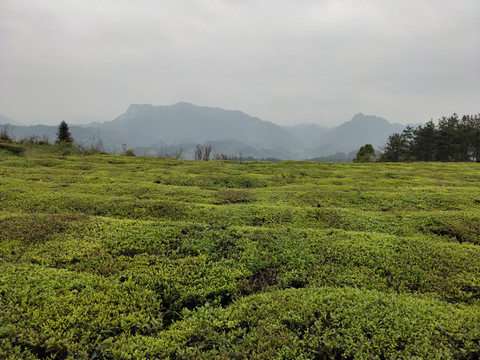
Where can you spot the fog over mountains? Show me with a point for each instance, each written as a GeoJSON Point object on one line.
{"type": "Point", "coordinates": [158, 130]}
{"type": "Point", "coordinates": [7, 120]}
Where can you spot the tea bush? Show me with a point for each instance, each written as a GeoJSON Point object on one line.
{"type": "Point", "coordinates": [129, 258]}
{"type": "Point", "coordinates": [50, 312]}
{"type": "Point", "coordinates": [11, 148]}
{"type": "Point", "coordinates": [317, 323]}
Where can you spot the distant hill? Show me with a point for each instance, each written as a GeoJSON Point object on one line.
{"type": "Point", "coordinates": [153, 129]}
{"type": "Point", "coordinates": [351, 135]}
{"type": "Point", "coordinates": [6, 120]}
{"type": "Point", "coordinates": [187, 123]}
{"type": "Point", "coordinates": [306, 135]}
{"type": "Point", "coordinates": [80, 134]}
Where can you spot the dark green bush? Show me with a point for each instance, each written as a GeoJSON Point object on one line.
{"type": "Point", "coordinates": [34, 228]}
{"type": "Point", "coordinates": [12, 148]}
{"type": "Point", "coordinates": [233, 196]}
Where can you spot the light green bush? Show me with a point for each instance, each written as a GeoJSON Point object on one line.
{"type": "Point", "coordinates": [122, 257]}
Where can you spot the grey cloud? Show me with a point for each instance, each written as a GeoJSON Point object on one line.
{"type": "Point", "coordinates": [284, 61]}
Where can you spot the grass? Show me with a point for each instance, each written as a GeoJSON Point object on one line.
{"type": "Point", "coordinates": [129, 258]}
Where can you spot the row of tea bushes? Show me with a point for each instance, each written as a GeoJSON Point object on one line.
{"type": "Point", "coordinates": [461, 226]}
{"type": "Point", "coordinates": [316, 323]}
{"type": "Point", "coordinates": [241, 257]}
{"type": "Point", "coordinates": [133, 258]}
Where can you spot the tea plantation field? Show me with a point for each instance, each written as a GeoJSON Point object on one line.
{"type": "Point", "coordinates": [116, 257]}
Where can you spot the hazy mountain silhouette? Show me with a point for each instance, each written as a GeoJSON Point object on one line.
{"type": "Point", "coordinates": [153, 128]}
{"type": "Point", "coordinates": [306, 135]}
{"type": "Point", "coordinates": [187, 123]}
{"type": "Point", "coordinates": [353, 134]}
{"type": "Point", "coordinates": [6, 120]}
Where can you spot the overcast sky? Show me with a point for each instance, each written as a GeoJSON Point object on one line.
{"type": "Point", "coordinates": [285, 61]}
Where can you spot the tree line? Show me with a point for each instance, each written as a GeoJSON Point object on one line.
{"type": "Point", "coordinates": [452, 139]}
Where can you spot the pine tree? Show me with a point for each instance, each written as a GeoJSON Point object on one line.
{"type": "Point", "coordinates": [63, 134]}
{"type": "Point", "coordinates": [424, 145]}
{"type": "Point", "coordinates": [448, 139]}
{"type": "Point", "coordinates": [396, 149]}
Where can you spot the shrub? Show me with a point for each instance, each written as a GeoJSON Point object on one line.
{"type": "Point", "coordinates": [4, 137]}
{"type": "Point", "coordinates": [35, 140]}
{"type": "Point", "coordinates": [32, 229]}
{"type": "Point", "coordinates": [365, 154]}
{"type": "Point", "coordinates": [12, 148]}
{"type": "Point", "coordinates": [61, 314]}
{"type": "Point", "coordinates": [233, 196]}
{"type": "Point", "coordinates": [129, 152]}
{"type": "Point", "coordinates": [317, 324]}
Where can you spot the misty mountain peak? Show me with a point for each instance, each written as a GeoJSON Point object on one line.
{"type": "Point", "coordinates": [360, 118]}
{"type": "Point", "coordinates": [135, 108]}
{"type": "Point", "coordinates": [6, 120]}
{"type": "Point", "coordinates": [183, 104]}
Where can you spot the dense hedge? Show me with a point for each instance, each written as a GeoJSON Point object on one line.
{"type": "Point", "coordinates": [131, 258]}
{"type": "Point", "coordinates": [314, 324]}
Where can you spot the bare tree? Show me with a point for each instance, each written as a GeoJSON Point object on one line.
{"type": "Point", "coordinates": [198, 152]}
{"type": "Point", "coordinates": [230, 157]}
{"type": "Point", "coordinates": [176, 153]}
{"type": "Point", "coordinates": [207, 149]}
{"type": "Point", "coordinates": [202, 152]}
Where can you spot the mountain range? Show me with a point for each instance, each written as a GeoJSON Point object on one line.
{"type": "Point", "coordinates": [4, 120]}
{"type": "Point", "coordinates": [158, 130]}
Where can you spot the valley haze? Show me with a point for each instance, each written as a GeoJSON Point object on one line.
{"type": "Point", "coordinates": [157, 130]}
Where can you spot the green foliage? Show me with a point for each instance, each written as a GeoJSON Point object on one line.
{"type": "Point", "coordinates": [129, 152]}
{"type": "Point", "coordinates": [12, 148]}
{"type": "Point", "coordinates": [317, 323]}
{"type": "Point", "coordinates": [131, 258]}
{"type": "Point", "coordinates": [54, 312]}
{"type": "Point", "coordinates": [365, 154]}
{"type": "Point", "coordinates": [453, 139]}
{"type": "Point", "coordinates": [4, 137]}
{"type": "Point", "coordinates": [63, 134]}
{"type": "Point", "coordinates": [35, 140]}
{"type": "Point", "coordinates": [33, 228]}
{"type": "Point", "coordinates": [233, 196]}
